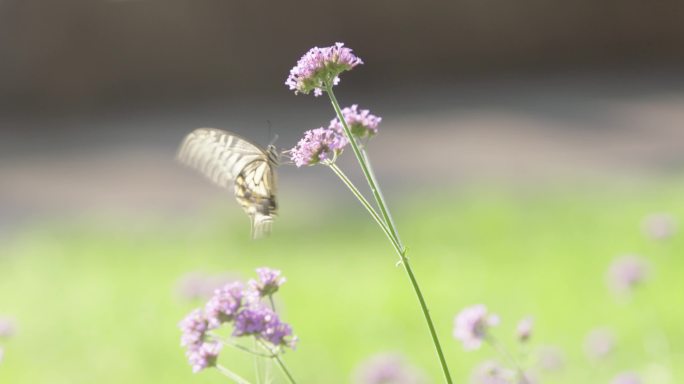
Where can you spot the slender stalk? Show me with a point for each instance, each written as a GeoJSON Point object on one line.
{"type": "Point", "coordinates": [257, 368]}
{"type": "Point", "coordinates": [387, 213]}
{"type": "Point", "coordinates": [507, 356]}
{"type": "Point", "coordinates": [231, 375]}
{"type": "Point", "coordinates": [364, 202]}
{"type": "Point", "coordinates": [389, 224]}
{"type": "Point", "coordinates": [362, 163]}
{"type": "Point", "coordinates": [280, 363]}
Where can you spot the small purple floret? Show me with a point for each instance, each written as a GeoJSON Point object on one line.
{"type": "Point", "coordinates": [225, 304]}
{"type": "Point", "coordinates": [626, 272]}
{"type": "Point", "coordinates": [262, 322]}
{"type": "Point", "coordinates": [472, 324]}
{"type": "Point", "coordinates": [660, 226]}
{"type": "Point", "coordinates": [204, 356]}
{"type": "Point", "coordinates": [316, 145]}
{"type": "Point", "coordinates": [194, 327]}
{"type": "Point", "coordinates": [320, 66]}
{"type": "Point", "coordinates": [268, 281]}
{"type": "Point", "coordinates": [388, 368]}
{"type": "Point", "coordinates": [627, 378]}
{"type": "Point", "coordinates": [361, 123]}
{"type": "Point", "coordinates": [7, 327]}
{"type": "Point", "coordinates": [524, 329]}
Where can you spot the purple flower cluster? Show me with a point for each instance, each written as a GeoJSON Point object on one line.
{"type": "Point", "coordinates": [241, 307]}
{"type": "Point", "coordinates": [321, 66]}
{"type": "Point", "coordinates": [326, 143]}
{"type": "Point", "coordinates": [659, 226]}
{"type": "Point", "coordinates": [225, 304]}
{"type": "Point", "coordinates": [524, 329]}
{"type": "Point", "coordinates": [471, 326]}
{"type": "Point", "coordinates": [626, 272]}
{"type": "Point", "coordinates": [388, 368]}
{"type": "Point", "coordinates": [263, 323]}
{"type": "Point", "coordinates": [200, 351]}
{"type": "Point", "coordinates": [268, 281]}
{"type": "Point", "coordinates": [361, 122]}
{"type": "Point", "coordinates": [316, 145]}
{"type": "Point", "coordinates": [626, 378]}
{"type": "Point", "coordinates": [7, 327]}
{"type": "Point", "coordinates": [491, 372]}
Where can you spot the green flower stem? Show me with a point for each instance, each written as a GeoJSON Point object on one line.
{"type": "Point", "coordinates": [387, 213]}
{"type": "Point", "coordinates": [363, 201]}
{"type": "Point", "coordinates": [393, 235]}
{"type": "Point", "coordinates": [280, 362]}
{"type": "Point", "coordinates": [231, 375]}
{"type": "Point", "coordinates": [507, 356]}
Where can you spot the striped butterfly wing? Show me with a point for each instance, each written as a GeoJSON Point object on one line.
{"type": "Point", "coordinates": [226, 159]}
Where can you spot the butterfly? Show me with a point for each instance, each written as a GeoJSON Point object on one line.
{"type": "Point", "coordinates": [226, 158]}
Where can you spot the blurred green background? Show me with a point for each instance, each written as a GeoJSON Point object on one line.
{"type": "Point", "coordinates": [98, 300]}
{"type": "Point", "coordinates": [522, 146]}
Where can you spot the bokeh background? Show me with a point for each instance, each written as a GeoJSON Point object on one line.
{"type": "Point", "coordinates": [522, 147]}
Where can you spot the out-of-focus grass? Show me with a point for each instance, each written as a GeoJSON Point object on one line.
{"type": "Point", "coordinates": [95, 302]}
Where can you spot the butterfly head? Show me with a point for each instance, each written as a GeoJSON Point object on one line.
{"type": "Point", "coordinates": [273, 154]}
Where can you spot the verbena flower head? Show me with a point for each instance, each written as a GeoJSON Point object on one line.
{"type": "Point", "coordinates": [225, 304]}
{"type": "Point", "coordinates": [361, 122]}
{"type": "Point", "coordinates": [204, 356]}
{"type": "Point", "coordinates": [388, 368]}
{"type": "Point", "coordinates": [627, 378]}
{"type": "Point", "coordinates": [599, 343]}
{"type": "Point", "coordinates": [626, 272]}
{"type": "Point", "coordinates": [320, 66]}
{"type": "Point", "coordinates": [472, 324]}
{"type": "Point", "coordinates": [262, 322]}
{"type": "Point", "coordinates": [524, 329]}
{"type": "Point", "coordinates": [268, 282]}
{"type": "Point", "coordinates": [317, 145]}
{"type": "Point", "coordinates": [7, 327]}
{"type": "Point", "coordinates": [194, 327]}
{"type": "Point", "coordinates": [491, 372]}
{"type": "Point", "coordinates": [659, 226]}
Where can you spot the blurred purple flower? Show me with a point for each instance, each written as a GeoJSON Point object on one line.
{"type": "Point", "coordinates": [262, 322]}
{"type": "Point", "coordinates": [320, 66]}
{"type": "Point", "coordinates": [550, 358]}
{"type": "Point", "coordinates": [7, 327]}
{"type": "Point", "coordinates": [491, 372]}
{"type": "Point", "coordinates": [471, 326]}
{"type": "Point", "coordinates": [361, 122]}
{"type": "Point", "coordinates": [193, 327]}
{"type": "Point", "coordinates": [626, 378]}
{"type": "Point", "coordinates": [316, 145]}
{"type": "Point", "coordinates": [626, 272]}
{"type": "Point", "coordinates": [599, 343]}
{"type": "Point", "coordinates": [225, 304]}
{"type": "Point", "coordinates": [201, 286]}
{"type": "Point", "coordinates": [204, 356]}
{"type": "Point", "coordinates": [659, 226]}
{"type": "Point", "coordinates": [268, 281]}
{"type": "Point", "coordinates": [524, 329]}
{"type": "Point", "coordinates": [388, 368]}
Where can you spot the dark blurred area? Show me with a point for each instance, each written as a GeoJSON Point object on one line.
{"type": "Point", "coordinates": [97, 95]}
{"type": "Point", "coordinates": [81, 54]}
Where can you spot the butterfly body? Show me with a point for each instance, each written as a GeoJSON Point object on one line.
{"type": "Point", "coordinates": [226, 159]}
